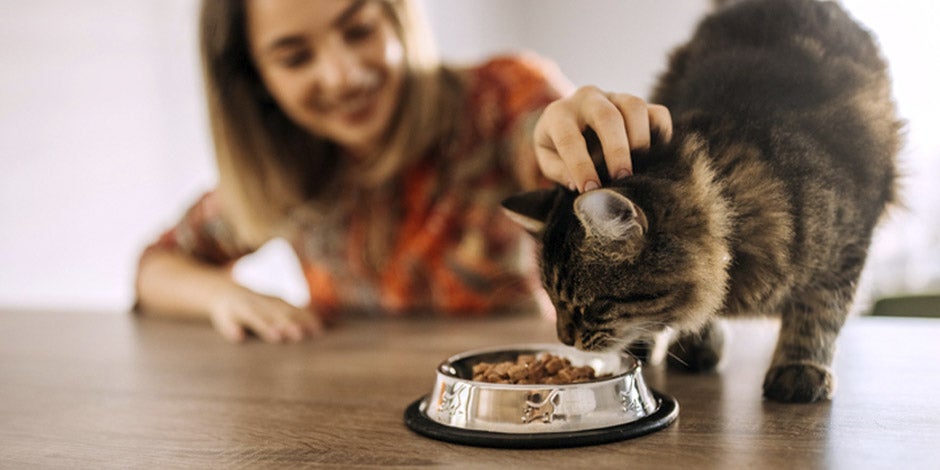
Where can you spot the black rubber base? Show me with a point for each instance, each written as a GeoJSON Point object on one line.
{"type": "Point", "coordinates": [664, 416]}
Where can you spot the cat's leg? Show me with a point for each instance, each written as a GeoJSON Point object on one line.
{"type": "Point", "coordinates": [800, 371]}
{"type": "Point", "coordinates": [701, 350]}
{"type": "Point", "coordinates": [642, 350]}
{"type": "Point", "coordinates": [651, 349]}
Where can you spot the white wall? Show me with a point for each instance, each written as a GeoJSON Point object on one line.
{"type": "Point", "coordinates": [905, 256]}
{"type": "Point", "coordinates": [614, 44]}
{"type": "Point", "coordinates": [103, 138]}
{"type": "Point", "coordinates": [102, 143]}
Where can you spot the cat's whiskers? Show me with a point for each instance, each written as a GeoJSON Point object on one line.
{"type": "Point", "coordinates": [677, 358]}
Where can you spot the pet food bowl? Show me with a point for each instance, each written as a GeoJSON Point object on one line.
{"type": "Point", "coordinates": [616, 406]}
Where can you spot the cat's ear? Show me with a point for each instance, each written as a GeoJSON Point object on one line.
{"type": "Point", "coordinates": [611, 222]}
{"type": "Point", "coordinates": [530, 210]}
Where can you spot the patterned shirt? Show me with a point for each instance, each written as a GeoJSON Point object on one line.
{"type": "Point", "coordinates": [454, 251]}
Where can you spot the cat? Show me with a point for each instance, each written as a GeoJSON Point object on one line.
{"type": "Point", "coordinates": [782, 161]}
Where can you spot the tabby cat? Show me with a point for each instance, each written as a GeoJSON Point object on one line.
{"type": "Point", "coordinates": [764, 201]}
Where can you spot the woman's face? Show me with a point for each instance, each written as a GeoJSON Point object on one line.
{"type": "Point", "coordinates": [335, 67]}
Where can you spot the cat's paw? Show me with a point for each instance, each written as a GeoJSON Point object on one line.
{"type": "Point", "coordinates": [693, 358]}
{"type": "Point", "coordinates": [651, 349]}
{"type": "Point", "coordinates": [799, 383]}
{"type": "Point", "coordinates": [698, 352]}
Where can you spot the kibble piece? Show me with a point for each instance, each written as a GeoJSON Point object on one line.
{"type": "Point", "coordinates": [525, 359]}
{"type": "Point", "coordinates": [554, 364]}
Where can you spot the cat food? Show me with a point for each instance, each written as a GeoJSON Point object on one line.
{"type": "Point", "coordinates": [529, 369]}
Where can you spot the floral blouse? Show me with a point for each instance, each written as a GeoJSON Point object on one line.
{"type": "Point", "coordinates": [454, 252]}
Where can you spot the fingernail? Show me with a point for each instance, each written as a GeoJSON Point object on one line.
{"type": "Point", "coordinates": [572, 186]}
{"type": "Point", "coordinates": [623, 174]}
{"type": "Point", "coordinates": [590, 186]}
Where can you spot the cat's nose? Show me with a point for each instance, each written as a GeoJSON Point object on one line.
{"type": "Point", "coordinates": [566, 333]}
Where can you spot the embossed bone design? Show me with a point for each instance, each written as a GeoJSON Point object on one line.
{"type": "Point", "coordinates": [628, 397]}
{"type": "Point", "coordinates": [451, 400]}
{"type": "Point", "coordinates": [538, 408]}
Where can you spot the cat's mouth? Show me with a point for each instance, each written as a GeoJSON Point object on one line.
{"type": "Point", "coordinates": [594, 342]}
{"type": "Point", "coordinates": [598, 341]}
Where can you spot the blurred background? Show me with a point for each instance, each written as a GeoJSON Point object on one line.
{"type": "Point", "coordinates": [104, 140]}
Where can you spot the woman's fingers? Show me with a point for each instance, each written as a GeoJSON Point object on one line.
{"type": "Point", "coordinates": [297, 324]}
{"type": "Point", "coordinates": [619, 122]}
{"type": "Point", "coordinates": [660, 122]}
{"type": "Point", "coordinates": [623, 123]}
{"type": "Point", "coordinates": [261, 325]}
{"type": "Point", "coordinates": [562, 151]}
{"type": "Point", "coordinates": [290, 331]}
{"type": "Point", "coordinates": [552, 166]}
{"type": "Point", "coordinates": [289, 322]}
{"type": "Point", "coordinates": [229, 327]}
{"type": "Point", "coordinates": [310, 323]}
{"type": "Point", "coordinates": [270, 318]}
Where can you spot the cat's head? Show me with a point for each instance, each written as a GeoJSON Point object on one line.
{"type": "Point", "coordinates": [624, 262]}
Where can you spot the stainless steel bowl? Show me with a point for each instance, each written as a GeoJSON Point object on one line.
{"type": "Point", "coordinates": [499, 414]}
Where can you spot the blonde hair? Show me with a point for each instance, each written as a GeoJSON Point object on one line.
{"type": "Point", "coordinates": [268, 166]}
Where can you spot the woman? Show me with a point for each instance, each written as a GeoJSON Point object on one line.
{"type": "Point", "coordinates": [337, 129]}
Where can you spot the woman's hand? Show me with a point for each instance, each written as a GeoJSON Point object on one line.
{"type": "Point", "coordinates": [270, 318]}
{"type": "Point", "coordinates": [622, 122]}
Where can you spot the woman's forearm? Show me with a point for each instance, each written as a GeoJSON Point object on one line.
{"type": "Point", "coordinates": [172, 284]}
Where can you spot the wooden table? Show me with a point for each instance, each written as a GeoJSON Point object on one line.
{"type": "Point", "coordinates": [115, 391]}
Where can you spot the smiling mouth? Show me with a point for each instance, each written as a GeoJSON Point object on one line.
{"type": "Point", "coordinates": [354, 104]}
{"type": "Point", "coordinates": [359, 105]}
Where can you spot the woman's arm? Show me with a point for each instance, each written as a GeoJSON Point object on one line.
{"type": "Point", "coordinates": [185, 274]}
{"type": "Point", "coordinates": [172, 284]}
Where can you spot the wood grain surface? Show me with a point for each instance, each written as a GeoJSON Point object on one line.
{"type": "Point", "coordinates": [95, 390]}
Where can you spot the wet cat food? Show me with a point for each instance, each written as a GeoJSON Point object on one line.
{"type": "Point", "coordinates": [529, 369]}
